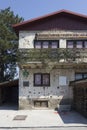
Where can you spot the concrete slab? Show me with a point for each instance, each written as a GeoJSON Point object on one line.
{"type": "Point", "coordinates": [40, 119]}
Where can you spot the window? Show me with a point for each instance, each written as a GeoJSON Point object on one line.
{"type": "Point", "coordinates": [85, 75]}
{"type": "Point", "coordinates": [85, 44]}
{"type": "Point", "coordinates": [54, 44]}
{"type": "Point", "coordinates": [70, 44]}
{"type": "Point", "coordinates": [76, 43]}
{"type": "Point", "coordinates": [45, 44]}
{"type": "Point", "coordinates": [46, 79]}
{"type": "Point", "coordinates": [62, 80]}
{"type": "Point", "coordinates": [80, 76]}
{"type": "Point", "coordinates": [37, 79]}
{"type": "Point", "coordinates": [79, 44]}
{"type": "Point", "coordinates": [37, 44]}
{"type": "Point", "coordinates": [42, 79]}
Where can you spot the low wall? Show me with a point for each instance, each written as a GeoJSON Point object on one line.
{"type": "Point", "coordinates": [52, 103]}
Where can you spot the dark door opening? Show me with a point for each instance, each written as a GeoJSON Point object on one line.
{"type": "Point", "coordinates": [9, 94]}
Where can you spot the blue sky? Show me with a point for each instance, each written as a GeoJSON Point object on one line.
{"type": "Point", "coordinates": [33, 8]}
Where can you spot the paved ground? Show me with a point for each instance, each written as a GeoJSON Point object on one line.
{"type": "Point", "coordinates": [39, 119]}
{"type": "Point", "coordinates": [58, 128]}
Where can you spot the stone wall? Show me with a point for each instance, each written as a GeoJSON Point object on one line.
{"type": "Point", "coordinates": [55, 93]}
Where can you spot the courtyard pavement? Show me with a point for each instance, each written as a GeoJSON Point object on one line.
{"type": "Point", "coordinates": [38, 118]}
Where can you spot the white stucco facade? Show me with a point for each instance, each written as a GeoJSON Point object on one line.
{"type": "Point", "coordinates": [26, 38]}
{"type": "Point", "coordinates": [54, 93]}
{"type": "Point", "coordinates": [54, 90]}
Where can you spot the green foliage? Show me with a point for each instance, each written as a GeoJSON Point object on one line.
{"type": "Point", "coordinates": [25, 73]}
{"type": "Point", "coordinates": [48, 55]}
{"type": "Point", "coordinates": [50, 58]}
{"type": "Point", "coordinates": [8, 44]}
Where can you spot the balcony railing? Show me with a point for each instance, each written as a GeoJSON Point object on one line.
{"type": "Point", "coordinates": [59, 55]}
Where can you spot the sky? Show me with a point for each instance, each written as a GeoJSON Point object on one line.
{"type": "Point", "coordinates": [29, 9]}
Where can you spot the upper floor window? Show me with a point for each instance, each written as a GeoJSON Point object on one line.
{"type": "Point", "coordinates": [54, 44]}
{"type": "Point", "coordinates": [85, 44]}
{"type": "Point", "coordinates": [46, 44]}
{"type": "Point", "coordinates": [37, 45]}
{"type": "Point", "coordinates": [70, 44]}
{"type": "Point", "coordinates": [79, 44]}
{"type": "Point", "coordinates": [76, 43]}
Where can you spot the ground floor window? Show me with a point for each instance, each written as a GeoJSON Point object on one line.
{"type": "Point", "coordinates": [80, 76]}
{"type": "Point", "coordinates": [41, 79]}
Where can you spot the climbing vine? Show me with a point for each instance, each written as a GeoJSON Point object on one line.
{"type": "Point", "coordinates": [25, 73]}
{"type": "Point", "coordinates": [50, 57]}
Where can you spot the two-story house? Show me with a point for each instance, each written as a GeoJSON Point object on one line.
{"type": "Point", "coordinates": [52, 53]}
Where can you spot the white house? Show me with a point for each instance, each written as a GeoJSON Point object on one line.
{"type": "Point", "coordinates": [52, 53]}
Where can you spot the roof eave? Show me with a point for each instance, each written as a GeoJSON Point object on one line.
{"type": "Point", "coordinates": [19, 25]}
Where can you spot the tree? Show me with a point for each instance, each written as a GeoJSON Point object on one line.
{"type": "Point", "coordinates": [8, 44]}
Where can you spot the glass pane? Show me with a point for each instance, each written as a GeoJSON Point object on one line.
{"type": "Point", "coordinates": [85, 75]}
{"type": "Point", "coordinates": [79, 44]}
{"type": "Point", "coordinates": [37, 79]}
{"type": "Point", "coordinates": [62, 80]}
{"type": "Point", "coordinates": [70, 44]}
{"type": "Point", "coordinates": [38, 45]}
{"type": "Point", "coordinates": [85, 44]}
{"type": "Point", "coordinates": [78, 76]}
{"type": "Point", "coordinates": [45, 44]}
{"type": "Point", "coordinates": [46, 79]}
{"type": "Point", "coordinates": [54, 45]}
